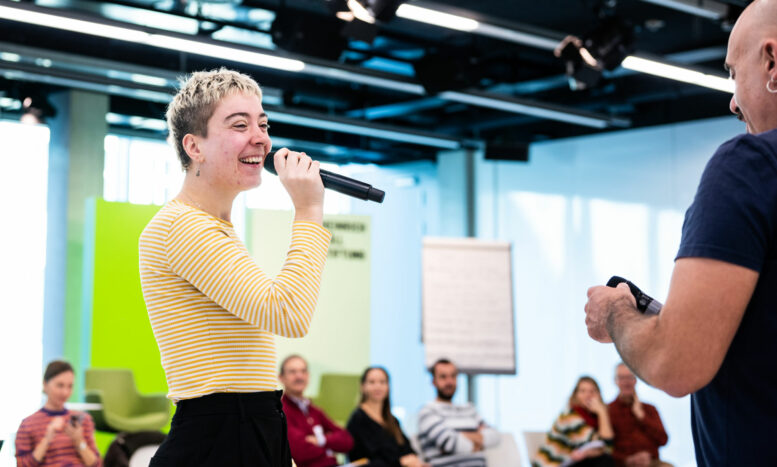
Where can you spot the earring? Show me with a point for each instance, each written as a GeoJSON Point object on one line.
{"type": "Point", "coordinates": [198, 169]}
{"type": "Point", "coordinates": [769, 88]}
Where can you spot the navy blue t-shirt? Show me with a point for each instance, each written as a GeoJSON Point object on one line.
{"type": "Point", "coordinates": [733, 218]}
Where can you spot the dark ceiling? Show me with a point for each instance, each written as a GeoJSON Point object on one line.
{"type": "Point", "coordinates": [404, 53]}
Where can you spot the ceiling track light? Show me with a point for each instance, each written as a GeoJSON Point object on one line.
{"type": "Point", "coordinates": [423, 12]}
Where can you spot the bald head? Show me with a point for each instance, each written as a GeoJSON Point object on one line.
{"type": "Point", "coordinates": [760, 16]}
{"type": "Point", "coordinates": [751, 57]}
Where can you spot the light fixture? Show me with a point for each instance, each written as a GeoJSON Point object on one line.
{"type": "Point", "coordinates": [370, 11]}
{"type": "Point", "coordinates": [536, 109]}
{"type": "Point", "coordinates": [351, 126]}
{"type": "Point", "coordinates": [436, 18]}
{"type": "Point", "coordinates": [602, 49]}
{"type": "Point", "coordinates": [36, 108]}
{"type": "Point", "coordinates": [705, 8]}
{"type": "Point", "coordinates": [165, 41]}
{"type": "Point", "coordinates": [666, 70]}
{"type": "Point", "coordinates": [303, 33]}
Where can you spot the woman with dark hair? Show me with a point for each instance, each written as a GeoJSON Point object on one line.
{"type": "Point", "coordinates": [376, 433]}
{"type": "Point", "coordinates": [55, 435]}
{"type": "Point", "coordinates": [582, 435]}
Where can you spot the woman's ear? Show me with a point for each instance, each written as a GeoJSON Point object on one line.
{"type": "Point", "coordinates": [191, 144]}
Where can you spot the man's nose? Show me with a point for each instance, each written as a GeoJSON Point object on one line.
{"type": "Point", "coordinates": [733, 105]}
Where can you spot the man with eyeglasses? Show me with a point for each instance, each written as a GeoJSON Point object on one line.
{"type": "Point", "coordinates": [637, 426]}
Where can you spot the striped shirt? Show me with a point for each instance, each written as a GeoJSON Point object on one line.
{"type": "Point", "coordinates": [213, 310]}
{"type": "Point", "coordinates": [440, 431]}
{"type": "Point", "coordinates": [61, 451]}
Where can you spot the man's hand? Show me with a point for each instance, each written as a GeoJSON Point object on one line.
{"type": "Point", "coordinates": [600, 304]}
{"type": "Point", "coordinates": [311, 439]}
{"type": "Point", "coordinates": [637, 408]}
{"type": "Point", "coordinates": [477, 439]}
{"type": "Point", "coordinates": [640, 459]}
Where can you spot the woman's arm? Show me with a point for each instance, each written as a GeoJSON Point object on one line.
{"type": "Point", "coordinates": [200, 251]}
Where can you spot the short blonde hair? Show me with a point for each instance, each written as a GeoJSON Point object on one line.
{"type": "Point", "coordinates": [196, 101]}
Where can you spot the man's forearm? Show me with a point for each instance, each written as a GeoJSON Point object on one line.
{"type": "Point", "coordinates": [635, 337]}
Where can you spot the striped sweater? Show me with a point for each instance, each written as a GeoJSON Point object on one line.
{"type": "Point", "coordinates": [440, 431]}
{"type": "Point", "coordinates": [213, 311]}
{"type": "Point", "coordinates": [569, 432]}
{"type": "Point", "coordinates": [61, 451]}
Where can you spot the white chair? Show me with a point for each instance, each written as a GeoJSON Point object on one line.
{"type": "Point", "coordinates": [504, 454]}
{"type": "Point", "coordinates": [142, 456]}
{"type": "Point", "coordinates": [533, 440]}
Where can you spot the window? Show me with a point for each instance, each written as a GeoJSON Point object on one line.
{"type": "Point", "coordinates": [23, 188]}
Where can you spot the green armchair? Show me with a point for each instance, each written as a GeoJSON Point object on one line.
{"type": "Point", "coordinates": [123, 408]}
{"type": "Point", "coordinates": [338, 396]}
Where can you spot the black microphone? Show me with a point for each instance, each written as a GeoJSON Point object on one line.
{"type": "Point", "coordinates": [645, 303]}
{"type": "Point", "coordinates": [339, 183]}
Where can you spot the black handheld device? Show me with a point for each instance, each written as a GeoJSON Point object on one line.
{"type": "Point", "coordinates": [645, 303]}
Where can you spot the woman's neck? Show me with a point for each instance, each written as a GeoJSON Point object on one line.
{"type": "Point", "coordinates": [52, 407]}
{"type": "Point", "coordinates": [374, 409]}
{"type": "Point", "coordinates": [199, 194]}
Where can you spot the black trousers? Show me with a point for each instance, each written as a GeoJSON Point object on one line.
{"type": "Point", "coordinates": [227, 429]}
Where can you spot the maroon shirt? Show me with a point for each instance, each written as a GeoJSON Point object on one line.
{"type": "Point", "coordinates": [300, 425]}
{"type": "Point", "coordinates": [632, 435]}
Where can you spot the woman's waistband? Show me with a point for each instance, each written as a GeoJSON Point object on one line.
{"type": "Point", "coordinates": [268, 402]}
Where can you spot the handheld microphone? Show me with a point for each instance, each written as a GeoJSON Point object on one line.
{"type": "Point", "coordinates": [337, 182]}
{"type": "Point", "coordinates": [645, 303]}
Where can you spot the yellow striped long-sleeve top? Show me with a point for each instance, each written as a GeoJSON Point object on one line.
{"type": "Point", "coordinates": [213, 310]}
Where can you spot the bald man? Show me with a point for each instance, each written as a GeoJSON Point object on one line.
{"type": "Point", "coordinates": [716, 336]}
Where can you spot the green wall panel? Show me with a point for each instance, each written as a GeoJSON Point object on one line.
{"type": "Point", "coordinates": [121, 333]}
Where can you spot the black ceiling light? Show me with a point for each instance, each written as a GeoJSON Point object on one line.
{"type": "Point", "coordinates": [370, 11]}
{"type": "Point", "coordinates": [361, 16]}
{"type": "Point", "coordinates": [36, 108]}
{"type": "Point", "coordinates": [316, 36]}
{"type": "Point", "coordinates": [604, 48]}
{"type": "Point", "coordinates": [445, 71]}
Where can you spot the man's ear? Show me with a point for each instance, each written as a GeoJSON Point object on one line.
{"type": "Point", "coordinates": [191, 144]}
{"type": "Point", "coordinates": [769, 57]}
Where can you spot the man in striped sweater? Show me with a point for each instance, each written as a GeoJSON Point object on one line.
{"type": "Point", "coordinates": [452, 435]}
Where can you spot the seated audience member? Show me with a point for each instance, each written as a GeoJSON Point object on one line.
{"type": "Point", "coordinates": [376, 433]}
{"type": "Point", "coordinates": [54, 435]}
{"type": "Point", "coordinates": [637, 426]}
{"type": "Point", "coordinates": [450, 434]}
{"type": "Point", "coordinates": [581, 436]}
{"type": "Point", "coordinates": [313, 437]}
